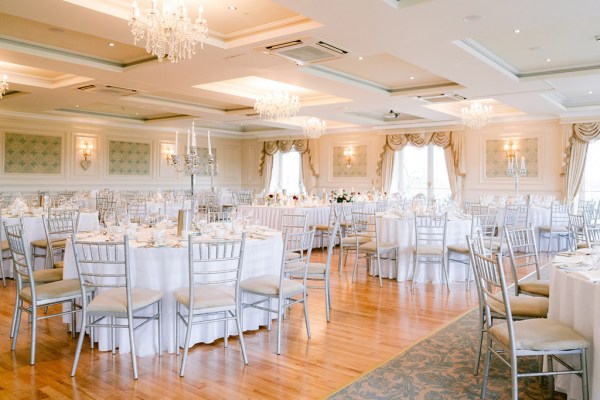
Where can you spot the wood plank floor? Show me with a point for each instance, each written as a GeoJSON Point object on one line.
{"type": "Point", "coordinates": [368, 325]}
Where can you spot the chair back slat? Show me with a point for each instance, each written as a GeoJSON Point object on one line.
{"type": "Point", "coordinates": [217, 262]}
{"type": "Point", "coordinates": [102, 264]}
{"type": "Point", "coordinates": [430, 230]}
{"type": "Point", "coordinates": [19, 250]}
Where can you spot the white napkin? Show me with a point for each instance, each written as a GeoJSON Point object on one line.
{"type": "Point", "coordinates": [593, 276]}
{"type": "Point", "coordinates": [570, 259]}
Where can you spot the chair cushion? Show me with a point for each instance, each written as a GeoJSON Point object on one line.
{"type": "Point", "coordinates": [59, 243]}
{"type": "Point", "coordinates": [59, 264]}
{"type": "Point", "coordinates": [540, 334]}
{"type": "Point", "coordinates": [372, 246]}
{"type": "Point", "coordinates": [322, 227]}
{"type": "Point", "coordinates": [207, 296]}
{"type": "Point", "coordinates": [351, 240]}
{"type": "Point", "coordinates": [39, 243]}
{"type": "Point", "coordinates": [46, 275]}
{"type": "Point", "coordinates": [292, 255]}
{"type": "Point", "coordinates": [540, 287]}
{"type": "Point", "coordinates": [458, 248]}
{"type": "Point", "coordinates": [268, 285]}
{"type": "Point", "coordinates": [429, 249]}
{"type": "Point", "coordinates": [4, 245]}
{"type": "Point", "coordinates": [53, 290]}
{"type": "Point", "coordinates": [313, 269]}
{"type": "Point", "coordinates": [525, 306]}
{"type": "Point", "coordinates": [114, 301]}
{"type": "Point", "coordinates": [557, 228]}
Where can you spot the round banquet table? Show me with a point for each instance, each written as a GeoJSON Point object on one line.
{"type": "Point", "coordinates": [402, 231]}
{"type": "Point", "coordinates": [575, 302]}
{"type": "Point", "coordinates": [34, 229]}
{"type": "Point", "coordinates": [166, 269]}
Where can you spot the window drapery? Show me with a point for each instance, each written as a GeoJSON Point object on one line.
{"type": "Point", "coordinates": [453, 144]}
{"type": "Point", "coordinates": [309, 168]}
{"type": "Point", "coordinates": [576, 153]}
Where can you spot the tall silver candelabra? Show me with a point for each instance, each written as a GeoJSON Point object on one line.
{"type": "Point", "coordinates": [516, 171]}
{"type": "Point", "coordinates": [193, 164]}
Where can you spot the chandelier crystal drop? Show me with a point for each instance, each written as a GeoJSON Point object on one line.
{"type": "Point", "coordinates": [168, 30]}
{"type": "Point", "coordinates": [277, 105]}
{"type": "Point", "coordinates": [477, 115]}
{"type": "Point", "coordinates": [314, 128]}
{"type": "Point", "coordinates": [3, 86]}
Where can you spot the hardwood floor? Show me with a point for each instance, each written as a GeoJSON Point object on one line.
{"type": "Point", "coordinates": [368, 325]}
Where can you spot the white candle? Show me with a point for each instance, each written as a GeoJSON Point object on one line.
{"type": "Point", "coordinates": [193, 139]}
{"type": "Point", "coordinates": [508, 163]}
{"type": "Point", "coordinates": [209, 148]}
{"type": "Point", "coordinates": [523, 163]}
{"type": "Point", "coordinates": [176, 141]}
{"type": "Point", "coordinates": [188, 141]}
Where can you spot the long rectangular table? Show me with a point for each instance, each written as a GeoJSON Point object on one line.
{"type": "Point", "coordinates": [166, 268]}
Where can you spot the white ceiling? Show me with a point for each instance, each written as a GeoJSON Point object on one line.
{"type": "Point", "coordinates": [408, 50]}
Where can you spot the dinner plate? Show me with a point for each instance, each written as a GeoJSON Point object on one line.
{"type": "Point", "coordinates": [575, 267]}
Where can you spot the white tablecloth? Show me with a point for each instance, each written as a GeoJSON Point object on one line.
{"type": "Point", "coordinates": [402, 232]}
{"type": "Point", "coordinates": [166, 269]}
{"type": "Point", "coordinates": [575, 301]}
{"type": "Point", "coordinates": [34, 229]}
{"type": "Point", "coordinates": [271, 215]}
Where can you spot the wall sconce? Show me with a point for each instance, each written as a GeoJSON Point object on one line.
{"type": "Point", "coordinates": [169, 152]}
{"type": "Point", "coordinates": [348, 153]}
{"type": "Point", "coordinates": [510, 150]}
{"type": "Point", "coordinates": [86, 150]}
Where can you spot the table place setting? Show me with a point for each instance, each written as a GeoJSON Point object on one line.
{"type": "Point", "coordinates": [584, 263]}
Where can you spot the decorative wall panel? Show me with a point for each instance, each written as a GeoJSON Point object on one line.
{"type": "Point", "coordinates": [496, 162]}
{"type": "Point", "coordinates": [356, 168]}
{"type": "Point", "coordinates": [32, 154]}
{"type": "Point", "coordinates": [129, 158]}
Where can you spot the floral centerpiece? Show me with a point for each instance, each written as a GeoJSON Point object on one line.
{"type": "Point", "coordinates": [341, 196]}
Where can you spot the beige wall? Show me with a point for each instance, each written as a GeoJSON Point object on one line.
{"type": "Point", "coordinates": [73, 176]}
{"type": "Point", "coordinates": [549, 182]}
{"type": "Point", "coordinates": [239, 159]}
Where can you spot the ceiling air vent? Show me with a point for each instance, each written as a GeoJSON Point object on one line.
{"type": "Point", "coordinates": [441, 98]}
{"type": "Point", "coordinates": [107, 90]}
{"type": "Point", "coordinates": [305, 51]}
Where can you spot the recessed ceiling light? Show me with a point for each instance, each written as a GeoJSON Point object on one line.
{"type": "Point", "coordinates": [111, 44]}
{"type": "Point", "coordinates": [472, 18]}
{"type": "Point", "coordinates": [548, 59]}
{"type": "Point", "coordinates": [517, 30]}
{"type": "Point", "coordinates": [137, 113]}
{"type": "Point", "coordinates": [412, 78]}
{"type": "Point", "coordinates": [361, 58]}
{"type": "Point", "coordinates": [76, 105]}
{"type": "Point", "coordinates": [232, 8]}
{"type": "Point", "coordinates": [590, 92]}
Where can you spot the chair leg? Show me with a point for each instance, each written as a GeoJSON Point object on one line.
{"type": "Point", "coordinates": [414, 276]}
{"type": "Point", "coordinates": [17, 322]}
{"type": "Point", "coordinates": [445, 271]}
{"type": "Point", "coordinates": [486, 368]}
{"type": "Point", "coordinates": [279, 318]}
{"type": "Point", "coordinates": [177, 309]}
{"type": "Point", "coordinates": [513, 377]}
{"type": "Point", "coordinates": [355, 267]}
{"type": "Point", "coordinates": [159, 323]}
{"type": "Point", "coordinates": [327, 299]}
{"type": "Point", "coordinates": [186, 345]}
{"type": "Point", "coordinates": [2, 269]}
{"type": "Point", "coordinates": [584, 376]}
{"type": "Point", "coordinates": [80, 342]}
{"type": "Point", "coordinates": [225, 331]}
{"type": "Point", "coordinates": [304, 305]}
{"type": "Point", "coordinates": [379, 270]}
{"type": "Point", "coordinates": [479, 342]}
{"type": "Point", "coordinates": [14, 320]}
{"type": "Point", "coordinates": [113, 336]}
{"type": "Point", "coordinates": [33, 333]}
{"type": "Point", "coordinates": [132, 346]}
{"type": "Point", "coordinates": [238, 322]}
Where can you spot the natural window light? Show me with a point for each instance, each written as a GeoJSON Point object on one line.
{"type": "Point", "coordinates": [286, 172]}
{"type": "Point", "coordinates": [590, 185]}
{"type": "Point", "coordinates": [420, 170]}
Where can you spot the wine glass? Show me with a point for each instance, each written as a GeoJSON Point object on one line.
{"type": "Point", "coordinates": [110, 219]}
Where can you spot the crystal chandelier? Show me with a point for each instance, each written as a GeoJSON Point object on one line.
{"type": "Point", "coordinates": [169, 32]}
{"type": "Point", "coordinates": [3, 86]}
{"type": "Point", "coordinates": [314, 128]}
{"type": "Point", "coordinates": [277, 105]}
{"type": "Point", "coordinates": [477, 115]}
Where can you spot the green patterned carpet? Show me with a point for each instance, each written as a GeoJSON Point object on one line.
{"type": "Point", "coordinates": [441, 367]}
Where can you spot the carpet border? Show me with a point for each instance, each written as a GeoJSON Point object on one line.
{"type": "Point", "coordinates": [430, 334]}
{"type": "Point", "coordinates": [435, 331]}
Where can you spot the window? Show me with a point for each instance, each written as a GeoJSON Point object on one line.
{"type": "Point", "coordinates": [421, 170]}
{"type": "Point", "coordinates": [286, 172]}
{"type": "Point", "coordinates": [590, 185]}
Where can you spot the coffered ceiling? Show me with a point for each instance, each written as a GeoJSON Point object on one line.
{"type": "Point", "coordinates": [360, 65]}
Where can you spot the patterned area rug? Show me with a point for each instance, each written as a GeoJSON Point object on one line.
{"type": "Point", "coordinates": [441, 367]}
